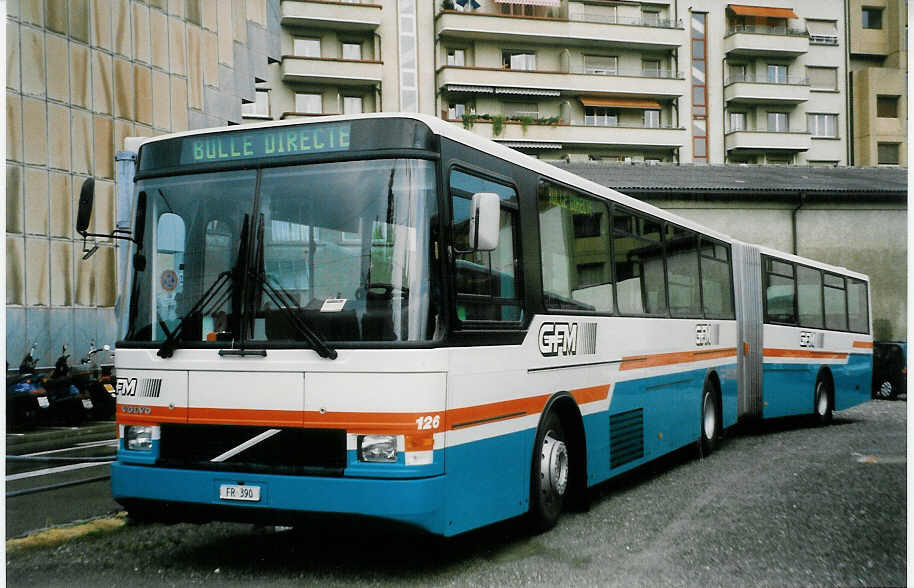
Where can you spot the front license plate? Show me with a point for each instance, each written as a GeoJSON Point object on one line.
{"type": "Point", "coordinates": [87, 404]}
{"type": "Point", "coordinates": [239, 492]}
{"type": "Point", "coordinates": [43, 402]}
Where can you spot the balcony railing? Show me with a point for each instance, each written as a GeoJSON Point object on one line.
{"type": "Point", "coordinates": [790, 81]}
{"type": "Point", "coordinates": [781, 132]}
{"type": "Point", "coordinates": [766, 30]}
{"type": "Point", "coordinates": [630, 125]}
{"type": "Point", "coordinates": [823, 39]}
{"type": "Point", "coordinates": [667, 74]}
{"type": "Point", "coordinates": [662, 23]}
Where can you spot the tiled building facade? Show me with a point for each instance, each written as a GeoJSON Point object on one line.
{"type": "Point", "coordinates": [81, 76]}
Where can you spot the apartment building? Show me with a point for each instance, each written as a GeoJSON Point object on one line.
{"type": "Point", "coordinates": [878, 57]}
{"type": "Point", "coordinates": [651, 81]}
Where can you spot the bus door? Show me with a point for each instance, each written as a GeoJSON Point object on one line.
{"type": "Point", "coordinates": [747, 283]}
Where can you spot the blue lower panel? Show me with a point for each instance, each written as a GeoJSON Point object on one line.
{"type": "Point", "coordinates": [488, 480]}
{"type": "Point", "coordinates": [789, 389]}
{"type": "Point", "coordinates": [417, 501]}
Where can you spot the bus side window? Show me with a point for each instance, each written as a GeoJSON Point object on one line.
{"type": "Point", "coordinates": [779, 291]}
{"type": "Point", "coordinates": [716, 283]}
{"type": "Point", "coordinates": [835, 303]}
{"type": "Point", "coordinates": [574, 249]}
{"type": "Point", "coordinates": [857, 307]}
{"type": "Point", "coordinates": [638, 261]}
{"type": "Point", "coordinates": [488, 283]}
{"type": "Point", "coordinates": [682, 272]}
{"type": "Point", "coordinates": [809, 297]}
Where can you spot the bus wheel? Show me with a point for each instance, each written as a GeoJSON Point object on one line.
{"type": "Point", "coordinates": [823, 403]}
{"type": "Point", "coordinates": [886, 390]}
{"type": "Point", "coordinates": [550, 474]}
{"type": "Point", "coordinates": [710, 427]}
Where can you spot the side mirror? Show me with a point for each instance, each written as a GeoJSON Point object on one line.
{"type": "Point", "coordinates": [484, 218]}
{"type": "Point", "coordinates": [86, 199]}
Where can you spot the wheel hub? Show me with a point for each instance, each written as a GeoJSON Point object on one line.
{"type": "Point", "coordinates": [885, 390]}
{"type": "Point", "coordinates": [821, 401]}
{"type": "Point", "coordinates": [710, 418]}
{"type": "Point", "coordinates": [554, 467]}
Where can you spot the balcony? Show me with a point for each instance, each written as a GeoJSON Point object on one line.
{"type": "Point", "coordinates": [762, 40]}
{"type": "Point", "coordinates": [321, 14]}
{"type": "Point", "coordinates": [759, 141]}
{"type": "Point", "coordinates": [564, 135]}
{"type": "Point", "coordinates": [554, 83]}
{"type": "Point", "coordinates": [325, 70]}
{"type": "Point", "coordinates": [578, 30]}
{"type": "Point", "coordinates": [750, 90]}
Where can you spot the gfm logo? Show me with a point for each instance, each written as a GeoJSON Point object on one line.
{"type": "Point", "coordinates": [558, 339]}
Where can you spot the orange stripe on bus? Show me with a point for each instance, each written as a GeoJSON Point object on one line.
{"type": "Point", "coordinates": [863, 344]}
{"type": "Point", "coordinates": [459, 418]}
{"type": "Point", "coordinates": [803, 353]}
{"type": "Point", "coordinates": [592, 394]}
{"type": "Point", "coordinates": [637, 362]}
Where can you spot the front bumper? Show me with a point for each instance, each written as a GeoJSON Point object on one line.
{"type": "Point", "coordinates": [416, 502]}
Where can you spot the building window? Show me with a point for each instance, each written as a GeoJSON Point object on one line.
{"type": "Point", "coordinates": [738, 72]}
{"type": "Point", "coordinates": [822, 78]}
{"type": "Point", "coordinates": [352, 51]}
{"type": "Point", "coordinates": [777, 122]}
{"type": "Point", "coordinates": [600, 117]}
{"type": "Point", "coordinates": [650, 18]}
{"type": "Point", "coordinates": [456, 57]}
{"type": "Point", "coordinates": [887, 106]}
{"type": "Point", "coordinates": [306, 47]}
{"type": "Point", "coordinates": [352, 105]}
{"type": "Point", "coordinates": [456, 110]}
{"type": "Point", "coordinates": [822, 125]}
{"type": "Point", "coordinates": [887, 153]}
{"type": "Point", "coordinates": [652, 119]}
{"type": "Point", "coordinates": [259, 107]}
{"type": "Point", "coordinates": [517, 109]}
{"type": "Point", "coordinates": [601, 64]}
{"type": "Point", "coordinates": [308, 103]}
{"type": "Point", "coordinates": [777, 74]}
{"type": "Point", "coordinates": [518, 60]}
{"type": "Point", "coordinates": [650, 68]}
{"type": "Point", "coordinates": [872, 18]}
{"type": "Point", "coordinates": [737, 121]}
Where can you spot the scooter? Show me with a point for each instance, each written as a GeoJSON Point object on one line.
{"type": "Point", "coordinates": [94, 375]}
{"type": "Point", "coordinates": [27, 400]}
{"type": "Point", "coordinates": [68, 404]}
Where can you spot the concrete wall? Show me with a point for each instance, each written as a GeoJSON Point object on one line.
{"type": "Point", "coordinates": [879, 248]}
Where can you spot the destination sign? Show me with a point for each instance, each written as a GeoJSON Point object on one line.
{"type": "Point", "coordinates": [260, 143]}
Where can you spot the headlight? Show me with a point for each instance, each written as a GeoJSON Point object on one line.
{"type": "Point", "coordinates": [378, 448]}
{"type": "Point", "coordinates": [139, 437]}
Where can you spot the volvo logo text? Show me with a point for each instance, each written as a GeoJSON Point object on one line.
{"type": "Point", "coordinates": [136, 409]}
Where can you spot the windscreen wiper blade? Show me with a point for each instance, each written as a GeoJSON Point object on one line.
{"type": "Point", "coordinates": [283, 300]}
{"type": "Point", "coordinates": [214, 292]}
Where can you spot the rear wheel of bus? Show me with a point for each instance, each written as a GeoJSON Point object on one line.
{"type": "Point", "coordinates": [550, 474]}
{"type": "Point", "coordinates": [823, 401]}
{"type": "Point", "coordinates": [710, 419]}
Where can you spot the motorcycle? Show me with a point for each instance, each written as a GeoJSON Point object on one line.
{"type": "Point", "coordinates": [94, 375]}
{"type": "Point", "coordinates": [27, 400]}
{"type": "Point", "coordinates": [69, 404]}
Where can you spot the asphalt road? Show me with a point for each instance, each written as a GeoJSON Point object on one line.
{"type": "Point", "coordinates": [786, 505]}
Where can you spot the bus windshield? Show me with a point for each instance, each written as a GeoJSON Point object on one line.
{"type": "Point", "coordinates": [246, 256]}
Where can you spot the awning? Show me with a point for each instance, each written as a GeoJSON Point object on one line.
{"type": "Point", "coordinates": [549, 3]}
{"type": "Point", "coordinates": [618, 102]}
{"type": "Point", "coordinates": [473, 89]}
{"type": "Point", "coordinates": [530, 145]}
{"type": "Point", "coordinates": [742, 10]}
{"type": "Point", "coordinates": [527, 92]}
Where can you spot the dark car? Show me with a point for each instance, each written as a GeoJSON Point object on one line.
{"type": "Point", "coordinates": [890, 371]}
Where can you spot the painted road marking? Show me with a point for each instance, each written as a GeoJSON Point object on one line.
{"type": "Point", "coordinates": [48, 471]}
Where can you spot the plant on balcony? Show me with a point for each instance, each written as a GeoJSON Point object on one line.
{"type": "Point", "coordinates": [525, 122]}
{"type": "Point", "coordinates": [469, 119]}
{"type": "Point", "coordinates": [498, 124]}
{"type": "Point", "coordinates": [447, 4]}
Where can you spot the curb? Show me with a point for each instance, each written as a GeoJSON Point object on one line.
{"type": "Point", "coordinates": [58, 437]}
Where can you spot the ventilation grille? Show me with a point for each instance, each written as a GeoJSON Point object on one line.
{"type": "Point", "coordinates": [315, 452]}
{"type": "Point", "coordinates": [626, 437]}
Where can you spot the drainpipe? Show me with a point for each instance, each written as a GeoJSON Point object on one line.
{"type": "Point", "coordinates": [793, 220]}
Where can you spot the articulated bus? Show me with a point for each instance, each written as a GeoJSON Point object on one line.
{"type": "Point", "coordinates": [388, 316]}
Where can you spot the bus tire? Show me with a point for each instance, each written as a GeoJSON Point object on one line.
{"type": "Point", "coordinates": [550, 474]}
{"type": "Point", "coordinates": [710, 419]}
{"type": "Point", "coordinates": [823, 402]}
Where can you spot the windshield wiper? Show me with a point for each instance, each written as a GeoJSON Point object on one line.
{"type": "Point", "coordinates": [214, 292]}
{"type": "Point", "coordinates": [285, 302]}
